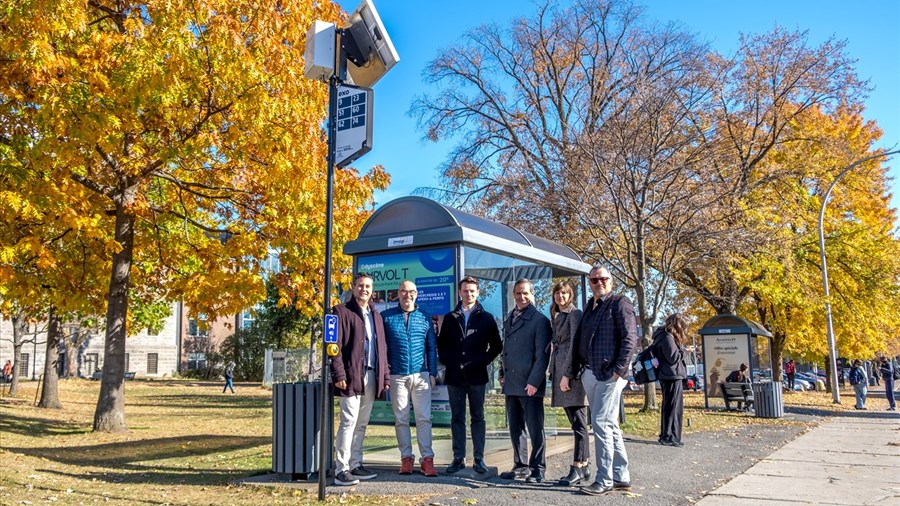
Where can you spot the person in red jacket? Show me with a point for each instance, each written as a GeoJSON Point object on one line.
{"type": "Point", "coordinates": [361, 374]}
{"type": "Point", "coordinates": [790, 370]}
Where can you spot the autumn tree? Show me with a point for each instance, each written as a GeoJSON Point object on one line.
{"type": "Point", "coordinates": [197, 139]}
{"type": "Point", "coordinates": [580, 124]}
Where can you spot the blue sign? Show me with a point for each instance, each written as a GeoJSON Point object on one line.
{"type": "Point", "coordinates": [331, 328]}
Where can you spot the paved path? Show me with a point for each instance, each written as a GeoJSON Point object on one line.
{"type": "Point", "coordinates": [845, 460]}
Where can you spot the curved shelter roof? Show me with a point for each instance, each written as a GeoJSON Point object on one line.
{"type": "Point", "coordinates": [732, 324]}
{"type": "Point", "coordinates": [416, 221]}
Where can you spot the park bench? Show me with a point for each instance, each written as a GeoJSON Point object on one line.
{"type": "Point", "coordinates": [737, 392]}
{"type": "Point", "coordinates": [129, 375]}
{"type": "Point", "coordinates": [97, 375]}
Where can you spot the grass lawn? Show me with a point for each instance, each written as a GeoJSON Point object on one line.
{"type": "Point", "coordinates": [187, 443]}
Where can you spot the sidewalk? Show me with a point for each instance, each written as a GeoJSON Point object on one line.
{"type": "Point", "coordinates": [850, 460]}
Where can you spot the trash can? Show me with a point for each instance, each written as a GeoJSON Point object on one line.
{"type": "Point", "coordinates": [767, 400]}
{"type": "Point", "coordinates": [295, 428]}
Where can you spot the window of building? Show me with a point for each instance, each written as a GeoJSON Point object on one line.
{"type": "Point", "coordinates": [91, 363]}
{"type": "Point", "coordinates": [24, 360]}
{"type": "Point", "coordinates": [196, 361]}
{"type": "Point", "coordinates": [197, 326]}
{"type": "Point", "coordinates": [152, 363]}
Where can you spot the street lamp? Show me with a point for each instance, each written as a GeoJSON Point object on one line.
{"type": "Point", "coordinates": [832, 353]}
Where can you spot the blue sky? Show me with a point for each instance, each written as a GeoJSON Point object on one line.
{"type": "Point", "coordinates": [420, 29]}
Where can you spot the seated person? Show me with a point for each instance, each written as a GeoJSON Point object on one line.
{"type": "Point", "coordinates": [739, 376]}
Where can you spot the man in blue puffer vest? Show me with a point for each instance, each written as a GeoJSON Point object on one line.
{"type": "Point", "coordinates": [412, 355]}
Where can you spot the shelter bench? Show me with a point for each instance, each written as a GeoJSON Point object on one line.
{"type": "Point", "coordinates": [737, 392]}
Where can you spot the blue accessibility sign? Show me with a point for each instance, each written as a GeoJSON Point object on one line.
{"type": "Point", "coordinates": [331, 328]}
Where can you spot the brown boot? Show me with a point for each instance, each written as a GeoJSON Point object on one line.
{"type": "Point", "coordinates": [427, 467]}
{"type": "Point", "coordinates": [406, 465]}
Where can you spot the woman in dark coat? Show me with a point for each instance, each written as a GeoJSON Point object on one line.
{"type": "Point", "coordinates": [568, 393]}
{"type": "Point", "coordinates": [668, 346]}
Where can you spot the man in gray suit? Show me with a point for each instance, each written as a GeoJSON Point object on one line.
{"type": "Point", "coordinates": [526, 339]}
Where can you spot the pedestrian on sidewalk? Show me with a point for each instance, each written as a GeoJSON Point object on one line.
{"type": "Point", "coordinates": [468, 342]}
{"type": "Point", "coordinates": [888, 373]}
{"type": "Point", "coordinates": [229, 377]}
{"type": "Point", "coordinates": [859, 382]}
{"type": "Point", "coordinates": [790, 370]}
{"type": "Point", "coordinates": [412, 357]}
{"type": "Point", "coordinates": [668, 345]}
{"type": "Point", "coordinates": [604, 345]}
{"type": "Point", "coordinates": [568, 393]}
{"type": "Point", "coordinates": [523, 376]}
{"type": "Point", "coordinates": [360, 373]}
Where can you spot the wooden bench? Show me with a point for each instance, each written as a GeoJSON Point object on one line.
{"type": "Point", "coordinates": [738, 392]}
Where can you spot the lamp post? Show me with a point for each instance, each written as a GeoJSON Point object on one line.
{"type": "Point", "coordinates": [829, 328]}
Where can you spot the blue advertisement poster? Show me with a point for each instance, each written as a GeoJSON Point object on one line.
{"type": "Point", "coordinates": [432, 270]}
{"type": "Point", "coordinates": [434, 273]}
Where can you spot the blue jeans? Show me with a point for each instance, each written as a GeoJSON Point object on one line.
{"type": "Point", "coordinates": [861, 391]}
{"type": "Point", "coordinates": [889, 392]}
{"type": "Point", "coordinates": [229, 383]}
{"type": "Point", "coordinates": [609, 448]}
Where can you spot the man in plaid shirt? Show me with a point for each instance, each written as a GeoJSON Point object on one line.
{"type": "Point", "coordinates": [604, 344]}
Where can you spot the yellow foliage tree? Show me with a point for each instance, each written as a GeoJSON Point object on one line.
{"type": "Point", "coordinates": [198, 140]}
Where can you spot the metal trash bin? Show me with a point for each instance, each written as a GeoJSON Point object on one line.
{"type": "Point", "coordinates": [767, 399]}
{"type": "Point", "coordinates": [295, 428]}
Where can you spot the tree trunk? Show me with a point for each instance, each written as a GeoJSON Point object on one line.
{"type": "Point", "coordinates": [110, 413]}
{"type": "Point", "coordinates": [18, 323]}
{"type": "Point", "coordinates": [71, 358]}
{"type": "Point", "coordinates": [650, 403]}
{"type": "Point", "coordinates": [778, 341]}
{"type": "Point", "coordinates": [50, 392]}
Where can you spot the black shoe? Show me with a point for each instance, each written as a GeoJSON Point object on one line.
{"type": "Point", "coordinates": [516, 473]}
{"type": "Point", "coordinates": [668, 442]}
{"type": "Point", "coordinates": [536, 476]}
{"type": "Point", "coordinates": [345, 479]}
{"type": "Point", "coordinates": [362, 473]}
{"type": "Point", "coordinates": [596, 489]}
{"type": "Point", "coordinates": [479, 466]}
{"type": "Point", "coordinates": [576, 475]}
{"type": "Point", "coordinates": [456, 465]}
{"type": "Point", "coordinates": [622, 485]}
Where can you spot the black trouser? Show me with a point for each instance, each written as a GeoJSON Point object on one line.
{"type": "Point", "coordinates": [790, 376]}
{"type": "Point", "coordinates": [526, 418]}
{"type": "Point", "coordinates": [672, 410]}
{"type": "Point", "coordinates": [578, 419]}
{"type": "Point", "coordinates": [457, 395]}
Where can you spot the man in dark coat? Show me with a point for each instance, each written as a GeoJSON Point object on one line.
{"type": "Point", "coordinates": [524, 378]}
{"type": "Point", "coordinates": [468, 342]}
{"type": "Point", "coordinates": [604, 345]}
{"type": "Point", "coordinates": [361, 374]}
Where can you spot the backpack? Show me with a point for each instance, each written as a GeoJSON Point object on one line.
{"type": "Point", "coordinates": [645, 367]}
{"type": "Point", "coordinates": [896, 372]}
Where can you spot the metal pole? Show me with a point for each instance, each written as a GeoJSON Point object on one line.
{"type": "Point", "coordinates": [324, 421]}
{"type": "Point", "coordinates": [829, 327]}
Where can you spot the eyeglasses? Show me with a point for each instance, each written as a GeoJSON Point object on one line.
{"type": "Point", "coordinates": [410, 292]}
{"type": "Point", "coordinates": [594, 281]}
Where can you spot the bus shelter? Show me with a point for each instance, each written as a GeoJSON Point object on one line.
{"type": "Point", "coordinates": [729, 341]}
{"type": "Point", "coordinates": [434, 246]}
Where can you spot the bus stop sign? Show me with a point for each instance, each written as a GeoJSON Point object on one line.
{"type": "Point", "coordinates": [331, 328]}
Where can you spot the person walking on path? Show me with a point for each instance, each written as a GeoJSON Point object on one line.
{"type": "Point", "coordinates": [888, 373]}
{"type": "Point", "coordinates": [523, 376]}
{"type": "Point", "coordinates": [568, 393]}
{"type": "Point", "coordinates": [469, 340]}
{"type": "Point", "coordinates": [859, 382]}
{"type": "Point", "coordinates": [604, 344]}
{"type": "Point", "coordinates": [412, 357]}
{"type": "Point", "coordinates": [668, 344]}
{"type": "Point", "coordinates": [790, 370]}
{"type": "Point", "coordinates": [361, 374]}
{"type": "Point", "coordinates": [229, 377]}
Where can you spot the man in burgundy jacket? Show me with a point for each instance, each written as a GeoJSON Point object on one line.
{"type": "Point", "coordinates": [361, 374]}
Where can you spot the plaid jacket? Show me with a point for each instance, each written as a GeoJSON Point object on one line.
{"type": "Point", "coordinates": [606, 338]}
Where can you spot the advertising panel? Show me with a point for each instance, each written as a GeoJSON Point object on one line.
{"type": "Point", "coordinates": [723, 353]}
{"type": "Point", "coordinates": [434, 273]}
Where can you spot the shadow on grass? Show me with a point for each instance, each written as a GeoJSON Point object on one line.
{"type": "Point", "coordinates": [204, 401]}
{"type": "Point", "coordinates": [29, 426]}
